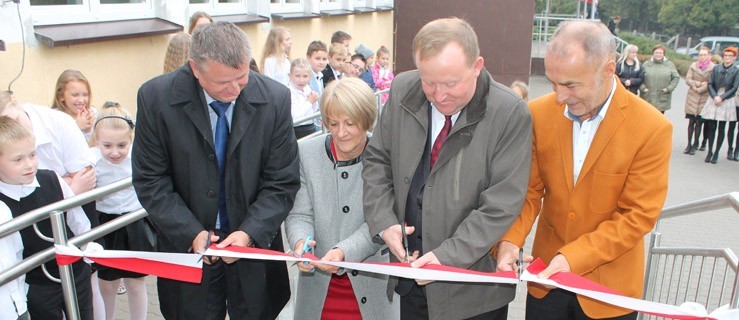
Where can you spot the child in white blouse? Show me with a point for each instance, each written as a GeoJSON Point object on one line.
{"type": "Point", "coordinates": [112, 140]}
{"type": "Point", "coordinates": [276, 54]}
{"type": "Point", "coordinates": [303, 98]}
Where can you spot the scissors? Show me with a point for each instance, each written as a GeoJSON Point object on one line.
{"type": "Point", "coordinates": [405, 242]}
{"type": "Point", "coordinates": [519, 263]}
{"type": "Point", "coordinates": [306, 248]}
{"type": "Point", "coordinates": [207, 245]}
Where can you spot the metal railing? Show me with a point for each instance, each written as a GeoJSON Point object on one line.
{"type": "Point", "coordinates": [55, 212]}
{"type": "Point", "coordinates": [545, 24]}
{"type": "Point", "coordinates": [704, 275]}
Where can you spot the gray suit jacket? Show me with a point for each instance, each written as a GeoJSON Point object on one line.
{"type": "Point", "coordinates": [472, 195]}
{"type": "Point", "coordinates": [329, 208]}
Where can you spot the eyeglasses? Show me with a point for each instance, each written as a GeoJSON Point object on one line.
{"type": "Point", "coordinates": [728, 55]}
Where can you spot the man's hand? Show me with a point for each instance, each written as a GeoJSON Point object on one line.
{"type": "Point", "coordinates": [393, 237]}
{"type": "Point", "coordinates": [335, 254]}
{"type": "Point", "coordinates": [236, 238]}
{"type": "Point", "coordinates": [82, 181]}
{"type": "Point", "coordinates": [198, 245]}
{"type": "Point", "coordinates": [507, 257]}
{"type": "Point", "coordinates": [428, 258]}
{"type": "Point", "coordinates": [558, 264]}
{"type": "Point", "coordinates": [303, 267]}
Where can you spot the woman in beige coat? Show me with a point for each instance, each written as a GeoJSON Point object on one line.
{"type": "Point", "coordinates": [697, 81]}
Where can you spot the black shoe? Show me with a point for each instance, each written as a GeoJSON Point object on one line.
{"type": "Point", "coordinates": [692, 150]}
{"type": "Point", "coordinates": [709, 156]}
{"type": "Point", "coordinates": [736, 154]}
{"type": "Point", "coordinates": [703, 147]}
{"type": "Point", "coordinates": [687, 149]}
{"type": "Point", "coordinates": [714, 160]}
{"type": "Point", "coordinates": [730, 154]}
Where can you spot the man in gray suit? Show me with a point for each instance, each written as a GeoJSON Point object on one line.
{"type": "Point", "coordinates": [215, 152]}
{"type": "Point", "coordinates": [450, 158]}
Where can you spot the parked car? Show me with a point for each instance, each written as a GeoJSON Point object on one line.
{"type": "Point", "coordinates": [715, 44]}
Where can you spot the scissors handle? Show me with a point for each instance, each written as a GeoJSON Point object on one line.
{"type": "Point", "coordinates": [405, 242]}
{"type": "Point", "coordinates": [307, 248]}
{"type": "Point", "coordinates": [520, 263]}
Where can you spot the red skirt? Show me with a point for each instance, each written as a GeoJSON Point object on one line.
{"type": "Point", "coordinates": [341, 303]}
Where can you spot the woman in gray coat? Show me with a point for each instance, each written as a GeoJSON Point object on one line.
{"type": "Point", "coordinates": [660, 79]}
{"type": "Point", "coordinates": [328, 207]}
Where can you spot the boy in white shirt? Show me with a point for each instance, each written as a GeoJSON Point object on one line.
{"type": "Point", "coordinates": [24, 188]}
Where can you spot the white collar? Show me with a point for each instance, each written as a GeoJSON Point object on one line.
{"type": "Point", "coordinates": [18, 191]}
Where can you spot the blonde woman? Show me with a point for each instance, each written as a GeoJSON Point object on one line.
{"type": "Point", "coordinates": [628, 69]}
{"type": "Point", "coordinates": [276, 55]}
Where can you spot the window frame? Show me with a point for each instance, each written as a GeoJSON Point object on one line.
{"type": "Point", "coordinates": [90, 11]}
{"type": "Point", "coordinates": [283, 7]}
{"type": "Point", "coordinates": [214, 8]}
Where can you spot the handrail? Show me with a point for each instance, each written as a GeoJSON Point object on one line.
{"type": "Point", "coordinates": [703, 205]}
{"type": "Point", "coordinates": [42, 257]}
{"type": "Point", "coordinates": [36, 215]}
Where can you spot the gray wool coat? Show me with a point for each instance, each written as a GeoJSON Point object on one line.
{"type": "Point", "coordinates": [328, 207]}
{"type": "Point", "coordinates": [473, 194]}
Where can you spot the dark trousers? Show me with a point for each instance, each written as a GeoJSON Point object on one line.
{"type": "Point", "coordinates": [414, 306]}
{"type": "Point", "coordinates": [559, 304]}
{"type": "Point", "coordinates": [46, 301]}
{"type": "Point", "coordinates": [304, 130]}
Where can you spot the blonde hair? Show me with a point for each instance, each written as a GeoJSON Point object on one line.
{"type": "Point", "coordinates": [273, 46]}
{"type": "Point", "coordinates": [299, 63]}
{"type": "Point", "coordinates": [7, 100]}
{"type": "Point", "coordinates": [337, 48]}
{"type": "Point", "coordinates": [178, 52]}
{"type": "Point", "coordinates": [352, 97]}
{"type": "Point", "coordinates": [12, 131]}
{"type": "Point", "coordinates": [61, 84]}
{"type": "Point", "coordinates": [625, 55]}
{"type": "Point", "coordinates": [437, 34]}
{"type": "Point", "coordinates": [112, 117]}
{"type": "Point", "coordinates": [194, 19]}
{"type": "Point", "coordinates": [523, 88]}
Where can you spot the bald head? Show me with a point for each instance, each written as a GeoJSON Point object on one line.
{"type": "Point", "coordinates": [591, 37]}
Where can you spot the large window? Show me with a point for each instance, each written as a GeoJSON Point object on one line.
{"type": "Point", "coordinates": [330, 4]}
{"type": "Point", "coordinates": [73, 11]}
{"type": "Point", "coordinates": [218, 7]}
{"type": "Point", "coordinates": [281, 6]}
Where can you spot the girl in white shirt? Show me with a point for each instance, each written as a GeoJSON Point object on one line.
{"type": "Point", "coordinates": [112, 140]}
{"type": "Point", "coordinates": [72, 96]}
{"type": "Point", "coordinates": [303, 99]}
{"type": "Point", "coordinates": [276, 55]}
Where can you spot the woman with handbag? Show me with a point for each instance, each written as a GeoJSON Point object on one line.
{"type": "Point", "coordinates": [112, 140]}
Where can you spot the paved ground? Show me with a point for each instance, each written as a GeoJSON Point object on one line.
{"type": "Point", "coordinates": [690, 179]}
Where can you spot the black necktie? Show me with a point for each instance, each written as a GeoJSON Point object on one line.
{"type": "Point", "coordinates": [221, 144]}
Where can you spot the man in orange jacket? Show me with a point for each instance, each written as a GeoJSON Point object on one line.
{"type": "Point", "coordinates": [600, 163]}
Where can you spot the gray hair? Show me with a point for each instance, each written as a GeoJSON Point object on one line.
{"type": "Point", "coordinates": [593, 37]}
{"type": "Point", "coordinates": [221, 42]}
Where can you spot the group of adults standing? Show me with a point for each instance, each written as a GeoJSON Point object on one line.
{"type": "Point", "coordinates": [455, 172]}
{"type": "Point", "coordinates": [710, 103]}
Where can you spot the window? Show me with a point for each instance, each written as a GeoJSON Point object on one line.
{"type": "Point", "coordinates": [45, 12]}
{"type": "Point", "coordinates": [330, 4]}
{"type": "Point", "coordinates": [217, 7]}
{"type": "Point", "coordinates": [281, 6]}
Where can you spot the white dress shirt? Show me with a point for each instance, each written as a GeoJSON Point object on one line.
{"type": "Point", "coordinates": [437, 122]}
{"type": "Point", "coordinates": [583, 133]}
{"type": "Point", "coordinates": [13, 293]}
{"type": "Point", "coordinates": [76, 218]}
{"type": "Point", "coordinates": [60, 145]}
{"type": "Point", "coordinates": [107, 172]}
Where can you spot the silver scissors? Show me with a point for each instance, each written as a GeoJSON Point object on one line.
{"type": "Point", "coordinates": [207, 245]}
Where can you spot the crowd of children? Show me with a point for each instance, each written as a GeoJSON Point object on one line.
{"type": "Point", "coordinates": [49, 154]}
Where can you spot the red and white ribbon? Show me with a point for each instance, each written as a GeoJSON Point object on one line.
{"type": "Point", "coordinates": [176, 266]}
{"type": "Point", "coordinates": [187, 267]}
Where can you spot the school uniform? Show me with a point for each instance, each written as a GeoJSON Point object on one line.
{"type": "Point", "coordinates": [113, 206]}
{"type": "Point", "coordinates": [12, 294]}
{"type": "Point", "coordinates": [45, 299]}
